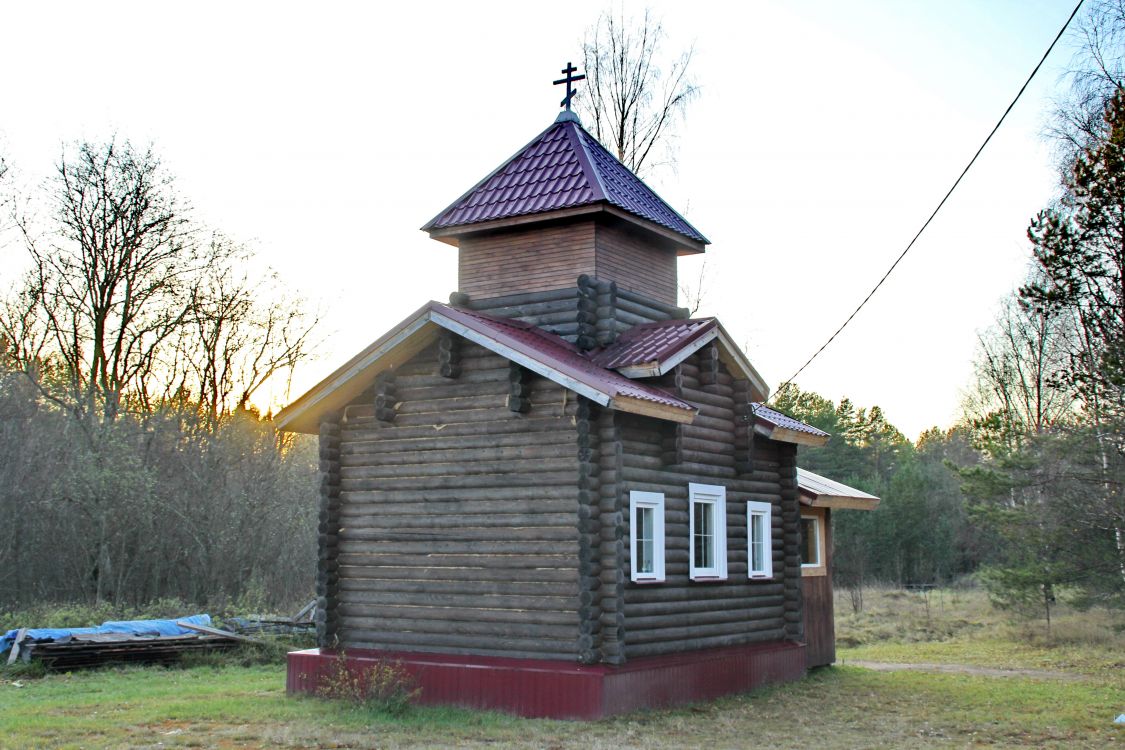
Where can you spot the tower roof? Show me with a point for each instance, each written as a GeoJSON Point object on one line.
{"type": "Point", "coordinates": [564, 167]}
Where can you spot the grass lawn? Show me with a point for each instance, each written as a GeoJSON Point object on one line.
{"type": "Point", "coordinates": [840, 707]}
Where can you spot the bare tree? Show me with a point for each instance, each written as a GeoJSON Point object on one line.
{"type": "Point", "coordinates": [635, 96]}
{"type": "Point", "coordinates": [1096, 72]}
{"type": "Point", "coordinates": [244, 331]}
{"type": "Point", "coordinates": [1017, 367]}
{"type": "Point", "coordinates": [111, 278]}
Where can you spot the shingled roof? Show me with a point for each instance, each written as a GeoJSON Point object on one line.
{"type": "Point", "coordinates": [539, 351]}
{"type": "Point", "coordinates": [564, 167]}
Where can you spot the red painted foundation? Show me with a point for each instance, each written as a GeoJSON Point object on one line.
{"type": "Point", "coordinates": [561, 690]}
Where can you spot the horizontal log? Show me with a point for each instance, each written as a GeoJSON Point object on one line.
{"type": "Point", "coordinates": [737, 616]}
{"type": "Point", "coordinates": [640, 299]}
{"type": "Point", "coordinates": [437, 563]}
{"type": "Point", "coordinates": [509, 425]}
{"type": "Point", "coordinates": [475, 588]}
{"type": "Point", "coordinates": [657, 635]}
{"type": "Point", "coordinates": [731, 590]}
{"type": "Point", "coordinates": [509, 499]}
{"type": "Point", "coordinates": [364, 639]}
{"type": "Point", "coordinates": [420, 484]}
{"type": "Point", "coordinates": [455, 547]}
{"type": "Point", "coordinates": [352, 594]}
{"type": "Point", "coordinates": [535, 461]}
{"type": "Point", "coordinates": [485, 631]}
{"type": "Point", "coordinates": [396, 449]}
{"type": "Point", "coordinates": [637, 650]}
{"type": "Point", "coordinates": [357, 635]}
{"type": "Point", "coordinates": [464, 614]}
{"type": "Point", "coordinates": [360, 567]}
{"type": "Point", "coordinates": [696, 606]}
{"type": "Point", "coordinates": [480, 537]}
{"type": "Point", "coordinates": [523, 298]}
{"type": "Point", "coordinates": [457, 522]}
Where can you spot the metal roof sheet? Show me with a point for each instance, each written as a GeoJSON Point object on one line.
{"type": "Point", "coordinates": [562, 167]}
{"type": "Point", "coordinates": [544, 353]}
{"type": "Point", "coordinates": [560, 355]}
{"type": "Point", "coordinates": [653, 342]}
{"type": "Point", "coordinates": [827, 492]}
{"type": "Point", "coordinates": [774, 418]}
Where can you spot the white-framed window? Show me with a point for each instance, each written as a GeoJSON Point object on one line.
{"type": "Point", "coordinates": [646, 536]}
{"type": "Point", "coordinates": [812, 543]}
{"type": "Point", "coordinates": [707, 529]}
{"type": "Point", "coordinates": [759, 539]}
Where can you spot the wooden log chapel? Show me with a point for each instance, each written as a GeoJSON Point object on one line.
{"type": "Point", "coordinates": [558, 495]}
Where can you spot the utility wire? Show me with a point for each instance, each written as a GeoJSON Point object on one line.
{"type": "Point", "coordinates": [939, 206]}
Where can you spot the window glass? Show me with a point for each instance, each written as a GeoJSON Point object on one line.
{"type": "Point", "coordinates": [645, 540]}
{"type": "Point", "coordinates": [757, 541]}
{"type": "Point", "coordinates": [646, 536]}
{"type": "Point", "coordinates": [704, 535]}
{"type": "Point", "coordinates": [810, 541]}
{"type": "Point", "coordinates": [759, 537]}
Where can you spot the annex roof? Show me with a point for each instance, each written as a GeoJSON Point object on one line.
{"type": "Point", "coordinates": [822, 492]}
{"type": "Point", "coordinates": [777, 426]}
{"type": "Point", "coordinates": [564, 167]}
{"type": "Point", "coordinates": [539, 351]}
{"type": "Point", "coordinates": [652, 349]}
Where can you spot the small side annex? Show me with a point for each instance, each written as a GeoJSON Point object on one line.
{"type": "Point", "coordinates": [558, 495]}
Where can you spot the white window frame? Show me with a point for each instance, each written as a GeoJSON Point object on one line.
{"type": "Point", "coordinates": [765, 512]}
{"type": "Point", "coordinates": [655, 501]}
{"type": "Point", "coordinates": [818, 535]}
{"type": "Point", "coordinates": [716, 496]}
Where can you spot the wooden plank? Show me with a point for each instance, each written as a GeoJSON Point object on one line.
{"type": "Point", "coordinates": [14, 655]}
{"type": "Point", "coordinates": [216, 631]}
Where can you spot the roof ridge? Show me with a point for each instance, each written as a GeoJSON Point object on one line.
{"type": "Point", "coordinates": [619, 203]}
{"type": "Point", "coordinates": [519, 152]}
{"type": "Point", "coordinates": [586, 162]}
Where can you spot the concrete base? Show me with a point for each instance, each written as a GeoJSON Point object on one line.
{"type": "Point", "coordinates": [564, 690]}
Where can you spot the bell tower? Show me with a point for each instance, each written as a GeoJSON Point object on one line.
{"type": "Point", "coordinates": [562, 221]}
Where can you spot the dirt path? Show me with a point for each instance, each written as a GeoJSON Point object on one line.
{"type": "Point", "coordinates": [1041, 674]}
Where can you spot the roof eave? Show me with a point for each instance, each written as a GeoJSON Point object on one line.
{"type": "Point", "coordinates": [786, 435]}
{"type": "Point", "coordinates": [736, 360]}
{"type": "Point", "coordinates": [303, 414]}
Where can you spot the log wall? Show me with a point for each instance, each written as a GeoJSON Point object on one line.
{"type": "Point", "coordinates": [458, 522]}
{"type": "Point", "coordinates": [591, 312]}
{"type": "Point", "coordinates": [680, 614]}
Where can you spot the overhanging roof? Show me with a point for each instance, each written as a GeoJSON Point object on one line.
{"type": "Point", "coordinates": [562, 168]}
{"type": "Point", "coordinates": [653, 349]}
{"type": "Point", "coordinates": [543, 353]}
{"type": "Point", "coordinates": [777, 426]}
{"type": "Point", "coordinates": [822, 492]}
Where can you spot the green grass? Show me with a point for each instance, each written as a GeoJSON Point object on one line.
{"type": "Point", "coordinates": [230, 705]}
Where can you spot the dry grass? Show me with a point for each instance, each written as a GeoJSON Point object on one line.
{"type": "Point", "coordinates": [843, 707]}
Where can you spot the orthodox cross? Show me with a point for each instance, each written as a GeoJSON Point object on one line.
{"type": "Point", "coordinates": [570, 70]}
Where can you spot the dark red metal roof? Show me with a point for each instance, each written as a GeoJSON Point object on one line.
{"type": "Point", "coordinates": [563, 167]}
{"type": "Point", "coordinates": [559, 355]}
{"type": "Point", "coordinates": [774, 418]}
{"type": "Point", "coordinates": [653, 342]}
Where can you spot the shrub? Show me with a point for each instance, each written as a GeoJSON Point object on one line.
{"type": "Point", "coordinates": [385, 686]}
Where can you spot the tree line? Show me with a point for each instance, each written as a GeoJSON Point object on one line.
{"type": "Point", "coordinates": [133, 465]}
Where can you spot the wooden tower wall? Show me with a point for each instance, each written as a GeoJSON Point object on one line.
{"type": "Point", "coordinates": [547, 257]}
{"type": "Point", "coordinates": [457, 529]}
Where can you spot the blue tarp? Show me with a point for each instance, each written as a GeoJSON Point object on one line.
{"type": "Point", "coordinates": [131, 627]}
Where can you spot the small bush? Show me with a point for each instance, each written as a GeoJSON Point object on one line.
{"type": "Point", "coordinates": [385, 686]}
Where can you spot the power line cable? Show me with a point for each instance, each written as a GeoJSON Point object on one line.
{"type": "Point", "coordinates": [939, 206]}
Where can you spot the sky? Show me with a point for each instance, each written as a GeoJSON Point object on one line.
{"type": "Point", "coordinates": [325, 134]}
